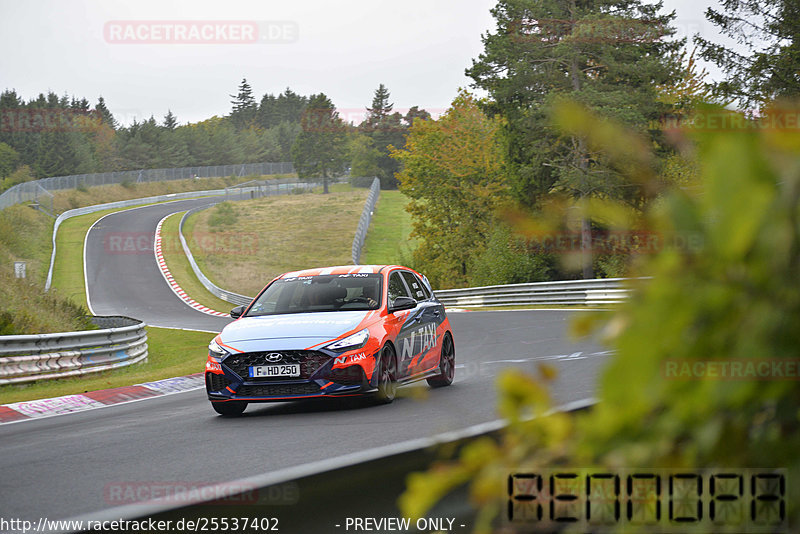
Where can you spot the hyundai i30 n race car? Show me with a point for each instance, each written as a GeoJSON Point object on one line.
{"type": "Point", "coordinates": [331, 332]}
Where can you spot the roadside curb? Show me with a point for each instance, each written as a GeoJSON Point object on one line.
{"type": "Point", "coordinates": [162, 265]}
{"type": "Point", "coordinates": [41, 408]}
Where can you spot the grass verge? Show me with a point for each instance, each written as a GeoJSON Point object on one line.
{"type": "Point", "coordinates": [241, 246]}
{"type": "Point", "coordinates": [77, 198]}
{"type": "Point", "coordinates": [170, 353]}
{"type": "Point", "coordinates": [181, 270]}
{"type": "Point", "coordinates": [25, 236]}
{"type": "Point", "coordinates": [388, 240]}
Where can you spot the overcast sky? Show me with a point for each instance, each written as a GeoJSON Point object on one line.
{"type": "Point", "coordinates": [344, 48]}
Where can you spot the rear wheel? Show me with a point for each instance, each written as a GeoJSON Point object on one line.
{"type": "Point", "coordinates": [447, 364]}
{"type": "Point", "coordinates": [387, 376]}
{"type": "Point", "coordinates": [230, 408]}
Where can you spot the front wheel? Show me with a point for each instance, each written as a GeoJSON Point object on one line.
{"type": "Point", "coordinates": [447, 364]}
{"type": "Point", "coordinates": [230, 408]}
{"type": "Point", "coordinates": [387, 376]}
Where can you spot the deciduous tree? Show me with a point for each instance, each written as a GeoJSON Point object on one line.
{"type": "Point", "coordinates": [453, 173]}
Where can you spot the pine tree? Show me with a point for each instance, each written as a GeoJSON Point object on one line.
{"type": "Point", "coordinates": [380, 108]}
{"type": "Point", "coordinates": [286, 107]}
{"type": "Point", "coordinates": [243, 113]}
{"type": "Point", "coordinates": [769, 70]}
{"type": "Point", "coordinates": [319, 149]}
{"type": "Point", "coordinates": [170, 120]}
{"type": "Point", "coordinates": [386, 129]}
{"type": "Point", "coordinates": [610, 55]}
{"type": "Point", "coordinates": [103, 113]}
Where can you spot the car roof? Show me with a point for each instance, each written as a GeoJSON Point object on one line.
{"type": "Point", "coordinates": [342, 269]}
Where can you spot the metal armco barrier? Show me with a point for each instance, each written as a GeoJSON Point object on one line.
{"type": "Point", "coordinates": [121, 342]}
{"type": "Point", "coordinates": [227, 296]}
{"type": "Point", "coordinates": [31, 191]}
{"type": "Point", "coordinates": [366, 217]}
{"type": "Point", "coordinates": [570, 292]}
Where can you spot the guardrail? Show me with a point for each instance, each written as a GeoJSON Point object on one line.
{"type": "Point", "coordinates": [363, 222]}
{"type": "Point", "coordinates": [121, 342]}
{"type": "Point", "coordinates": [227, 296]}
{"type": "Point", "coordinates": [570, 292]}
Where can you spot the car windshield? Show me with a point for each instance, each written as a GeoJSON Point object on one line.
{"type": "Point", "coordinates": [322, 293]}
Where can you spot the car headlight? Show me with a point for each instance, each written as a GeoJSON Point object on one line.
{"type": "Point", "coordinates": [215, 350]}
{"type": "Point", "coordinates": [353, 341]}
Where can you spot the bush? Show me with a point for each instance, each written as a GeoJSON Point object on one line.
{"type": "Point", "coordinates": [224, 214]}
{"type": "Point", "coordinates": [22, 174]}
{"type": "Point", "coordinates": [507, 260]}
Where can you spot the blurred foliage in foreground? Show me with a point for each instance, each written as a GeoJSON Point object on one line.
{"type": "Point", "coordinates": [732, 295]}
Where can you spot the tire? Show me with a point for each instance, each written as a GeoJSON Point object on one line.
{"type": "Point", "coordinates": [387, 376]}
{"type": "Point", "coordinates": [230, 408]}
{"type": "Point", "coordinates": [447, 364]}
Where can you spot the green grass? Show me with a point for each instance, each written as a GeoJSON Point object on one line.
{"type": "Point", "coordinates": [25, 235]}
{"type": "Point", "coordinates": [170, 353]}
{"type": "Point", "coordinates": [388, 239]}
{"type": "Point", "coordinates": [273, 235]}
{"type": "Point", "coordinates": [181, 270]}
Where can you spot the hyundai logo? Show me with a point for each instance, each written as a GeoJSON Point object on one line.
{"type": "Point", "coordinates": [274, 357]}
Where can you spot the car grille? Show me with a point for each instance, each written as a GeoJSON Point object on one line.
{"type": "Point", "coordinates": [310, 361]}
{"type": "Point", "coordinates": [348, 376]}
{"type": "Point", "coordinates": [277, 390]}
{"type": "Point", "coordinates": [216, 382]}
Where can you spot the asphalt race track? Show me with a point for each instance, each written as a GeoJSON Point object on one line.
{"type": "Point", "coordinates": [122, 274]}
{"type": "Point", "coordinates": [70, 465]}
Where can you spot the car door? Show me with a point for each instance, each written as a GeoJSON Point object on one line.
{"type": "Point", "coordinates": [427, 315]}
{"type": "Point", "coordinates": [406, 341]}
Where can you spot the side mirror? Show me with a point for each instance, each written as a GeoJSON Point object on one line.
{"type": "Point", "coordinates": [237, 312]}
{"type": "Point", "coordinates": [402, 303]}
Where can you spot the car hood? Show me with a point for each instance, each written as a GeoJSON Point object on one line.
{"type": "Point", "coordinates": [290, 332]}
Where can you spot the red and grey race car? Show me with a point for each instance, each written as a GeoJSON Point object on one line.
{"type": "Point", "coordinates": [331, 332]}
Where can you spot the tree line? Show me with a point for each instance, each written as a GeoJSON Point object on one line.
{"type": "Point", "coordinates": [54, 135]}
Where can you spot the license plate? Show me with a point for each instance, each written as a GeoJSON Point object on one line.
{"type": "Point", "coordinates": [270, 371]}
